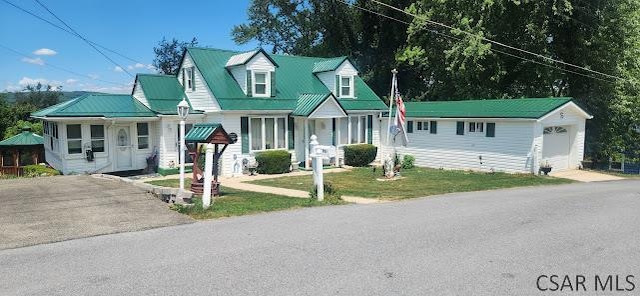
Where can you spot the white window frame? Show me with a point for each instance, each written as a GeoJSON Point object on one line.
{"type": "Point", "coordinates": [103, 138]}
{"type": "Point", "coordinates": [148, 136]}
{"type": "Point", "coordinates": [73, 139]}
{"type": "Point", "coordinates": [263, 133]}
{"type": "Point", "coordinates": [188, 81]}
{"type": "Point", "coordinates": [475, 127]}
{"type": "Point", "coordinates": [267, 82]}
{"type": "Point", "coordinates": [351, 88]}
{"type": "Point", "coordinates": [362, 121]}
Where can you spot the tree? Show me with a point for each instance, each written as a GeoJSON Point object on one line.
{"type": "Point", "coordinates": [169, 54]}
{"type": "Point", "coordinates": [39, 95]}
{"type": "Point", "coordinates": [36, 127]}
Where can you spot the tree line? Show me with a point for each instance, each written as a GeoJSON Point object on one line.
{"type": "Point", "coordinates": [15, 116]}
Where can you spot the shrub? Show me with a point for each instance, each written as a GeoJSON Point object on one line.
{"type": "Point", "coordinates": [273, 162]}
{"type": "Point", "coordinates": [408, 161]}
{"type": "Point", "coordinates": [37, 170]}
{"type": "Point", "coordinates": [331, 194]}
{"type": "Point", "coordinates": [359, 155]}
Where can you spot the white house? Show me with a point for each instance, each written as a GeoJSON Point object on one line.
{"type": "Point", "coordinates": [271, 101]}
{"type": "Point", "coordinates": [515, 136]}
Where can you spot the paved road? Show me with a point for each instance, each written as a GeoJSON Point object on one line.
{"type": "Point", "coordinates": [40, 210]}
{"type": "Point", "coordinates": [487, 243]}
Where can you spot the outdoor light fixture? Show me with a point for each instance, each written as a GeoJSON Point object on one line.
{"type": "Point", "coordinates": [183, 112]}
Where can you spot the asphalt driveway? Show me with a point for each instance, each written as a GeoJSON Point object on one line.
{"type": "Point", "coordinates": [42, 210]}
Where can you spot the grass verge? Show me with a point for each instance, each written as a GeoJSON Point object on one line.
{"type": "Point", "coordinates": [417, 182]}
{"type": "Point", "coordinates": [234, 202]}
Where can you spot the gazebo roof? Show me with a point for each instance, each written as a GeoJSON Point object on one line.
{"type": "Point", "coordinates": [25, 138]}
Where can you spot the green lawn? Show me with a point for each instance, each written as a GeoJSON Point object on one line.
{"type": "Point", "coordinates": [235, 202]}
{"type": "Point", "coordinates": [417, 182]}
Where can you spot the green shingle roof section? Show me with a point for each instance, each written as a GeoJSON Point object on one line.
{"type": "Point", "coordinates": [98, 105]}
{"type": "Point", "coordinates": [307, 103]}
{"type": "Point", "coordinates": [294, 77]}
{"type": "Point", "coordinates": [328, 64]}
{"type": "Point", "coordinates": [504, 108]}
{"type": "Point", "coordinates": [201, 131]}
{"type": "Point", "coordinates": [25, 138]}
{"type": "Point", "coordinates": [163, 92]}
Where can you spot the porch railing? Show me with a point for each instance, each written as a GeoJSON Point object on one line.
{"type": "Point", "coordinates": [11, 170]}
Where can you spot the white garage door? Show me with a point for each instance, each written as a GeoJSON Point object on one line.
{"type": "Point", "coordinates": [556, 147]}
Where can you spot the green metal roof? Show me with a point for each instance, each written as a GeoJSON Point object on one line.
{"type": "Point", "coordinates": [294, 77]}
{"type": "Point", "coordinates": [25, 138]}
{"type": "Point", "coordinates": [163, 92]}
{"type": "Point", "coordinates": [328, 64]}
{"type": "Point", "coordinates": [98, 105]}
{"type": "Point", "coordinates": [307, 103]}
{"type": "Point", "coordinates": [504, 108]}
{"type": "Point", "coordinates": [201, 131]}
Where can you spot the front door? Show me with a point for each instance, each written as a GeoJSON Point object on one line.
{"type": "Point", "coordinates": [123, 148]}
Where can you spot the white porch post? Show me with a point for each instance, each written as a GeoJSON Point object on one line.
{"type": "Point", "coordinates": [305, 141]}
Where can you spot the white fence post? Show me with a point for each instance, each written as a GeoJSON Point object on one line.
{"type": "Point", "coordinates": [208, 169]}
{"type": "Point", "coordinates": [312, 152]}
{"type": "Point", "coordinates": [316, 161]}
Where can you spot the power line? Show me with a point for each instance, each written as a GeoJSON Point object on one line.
{"type": "Point", "coordinates": [61, 68]}
{"type": "Point", "coordinates": [499, 43]}
{"type": "Point", "coordinates": [69, 32]}
{"type": "Point", "coordinates": [84, 39]}
{"type": "Point", "coordinates": [492, 49]}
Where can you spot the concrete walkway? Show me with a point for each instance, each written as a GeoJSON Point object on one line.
{"type": "Point", "coordinates": [585, 176]}
{"type": "Point", "coordinates": [240, 183]}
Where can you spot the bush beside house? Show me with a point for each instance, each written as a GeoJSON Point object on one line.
{"type": "Point", "coordinates": [359, 155]}
{"type": "Point", "coordinates": [273, 162]}
{"type": "Point", "coordinates": [37, 170]}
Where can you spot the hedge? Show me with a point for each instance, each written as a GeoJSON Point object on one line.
{"type": "Point", "coordinates": [359, 155]}
{"type": "Point", "coordinates": [273, 162]}
{"type": "Point", "coordinates": [37, 170]}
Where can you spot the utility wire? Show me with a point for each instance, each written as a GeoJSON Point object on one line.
{"type": "Point", "coordinates": [69, 32]}
{"type": "Point", "coordinates": [84, 39]}
{"type": "Point", "coordinates": [61, 68]}
{"type": "Point", "coordinates": [492, 49]}
{"type": "Point", "coordinates": [499, 43]}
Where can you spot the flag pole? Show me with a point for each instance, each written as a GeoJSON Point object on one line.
{"type": "Point", "coordinates": [391, 99]}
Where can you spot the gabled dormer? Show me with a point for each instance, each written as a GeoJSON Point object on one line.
{"type": "Point", "coordinates": [338, 75]}
{"type": "Point", "coordinates": [255, 72]}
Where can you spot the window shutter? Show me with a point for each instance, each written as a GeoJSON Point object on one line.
{"type": "Point", "coordinates": [193, 78]}
{"type": "Point", "coordinates": [292, 133]}
{"type": "Point", "coordinates": [273, 83]}
{"type": "Point", "coordinates": [491, 129]}
{"type": "Point", "coordinates": [355, 90]}
{"type": "Point", "coordinates": [333, 131]}
{"type": "Point", "coordinates": [370, 129]}
{"type": "Point", "coordinates": [434, 127]}
{"type": "Point", "coordinates": [460, 128]}
{"type": "Point", "coordinates": [184, 81]}
{"type": "Point", "coordinates": [249, 86]}
{"type": "Point", "coordinates": [337, 93]}
{"type": "Point", "coordinates": [410, 126]}
{"type": "Point", "coordinates": [244, 134]}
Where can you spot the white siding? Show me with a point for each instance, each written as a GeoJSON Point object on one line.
{"type": "Point", "coordinates": [139, 94]}
{"type": "Point", "coordinates": [570, 118]}
{"type": "Point", "coordinates": [239, 73]}
{"type": "Point", "coordinates": [346, 69]}
{"type": "Point", "coordinates": [509, 151]}
{"type": "Point", "coordinates": [202, 98]}
{"type": "Point", "coordinates": [233, 154]}
{"type": "Point", "coordinates": [260, 62]}
{"type": "Point", "coordinates": [328, 109]}
{"type": "Point", "coordinates": [329, 80]}
{"type": "Point", "coordinates": [167, 131]}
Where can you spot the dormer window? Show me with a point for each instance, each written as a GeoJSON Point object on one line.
{"type": "Point", "coordinates": [189, 80]}
{"type": "Point", "coordinates": [346, 86]}
{"type": "Point", "coordinates": [261, 84]}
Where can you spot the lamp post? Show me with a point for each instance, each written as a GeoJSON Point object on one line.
{"type": "Point", "coordinates": [183, 112]}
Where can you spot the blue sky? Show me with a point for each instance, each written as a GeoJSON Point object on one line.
{"type": "Point", "coordinates": [130, 27]}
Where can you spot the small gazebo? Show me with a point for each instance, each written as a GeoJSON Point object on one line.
{"type": "Point", "coordinates": [196, 140]}
{"type": "Point", "coordinates": [23, 149]}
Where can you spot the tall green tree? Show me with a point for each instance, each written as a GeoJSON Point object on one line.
{"type": "Point", "coordinates": [39, 95]}
{"type": "Point", "coordinates": [168, 54]}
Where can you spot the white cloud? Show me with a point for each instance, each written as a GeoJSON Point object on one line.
{"type": "Point", "coordinates": [93, 76]}
{"type": "Point", "coordinates": [45, 52]}
{"type": "Point", "coordinates": [151, 67]}
{"type": "Point", "coordinates": [118, 69]}
{"type": "Point", "coordinates": [71, 81]}
{"type": "Point", "coordinates": [30, 81]}
{"type": "Point", "coordinates": [36, 61]}
{"type": "Point", "coordinates": [138, 65]}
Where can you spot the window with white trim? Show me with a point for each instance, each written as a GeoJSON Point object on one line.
{"type": "Point", "coordinates": [189, 78]}
{"type": "Point", "coordinates": [97, 138]}
{"type": "Point", "coordinates": [267, 133]}
{"type": "Point", "coordinates": [353, 130]}
{"type": "Point", "coordinates": [422, 125]}
{"type": "Point", "coordinates": [260, 83]}
{"type": "Point", "coordinates": [346, 86]}
{"type": "Point", "coordinates": [143, 135]}
{"type": "Point", "coordinates": [74, 138]}
{"type": "Point", "coordinates": [476, 127]}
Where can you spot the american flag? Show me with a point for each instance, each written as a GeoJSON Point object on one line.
{"type": "Point", "coordinates": [400, 112]}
